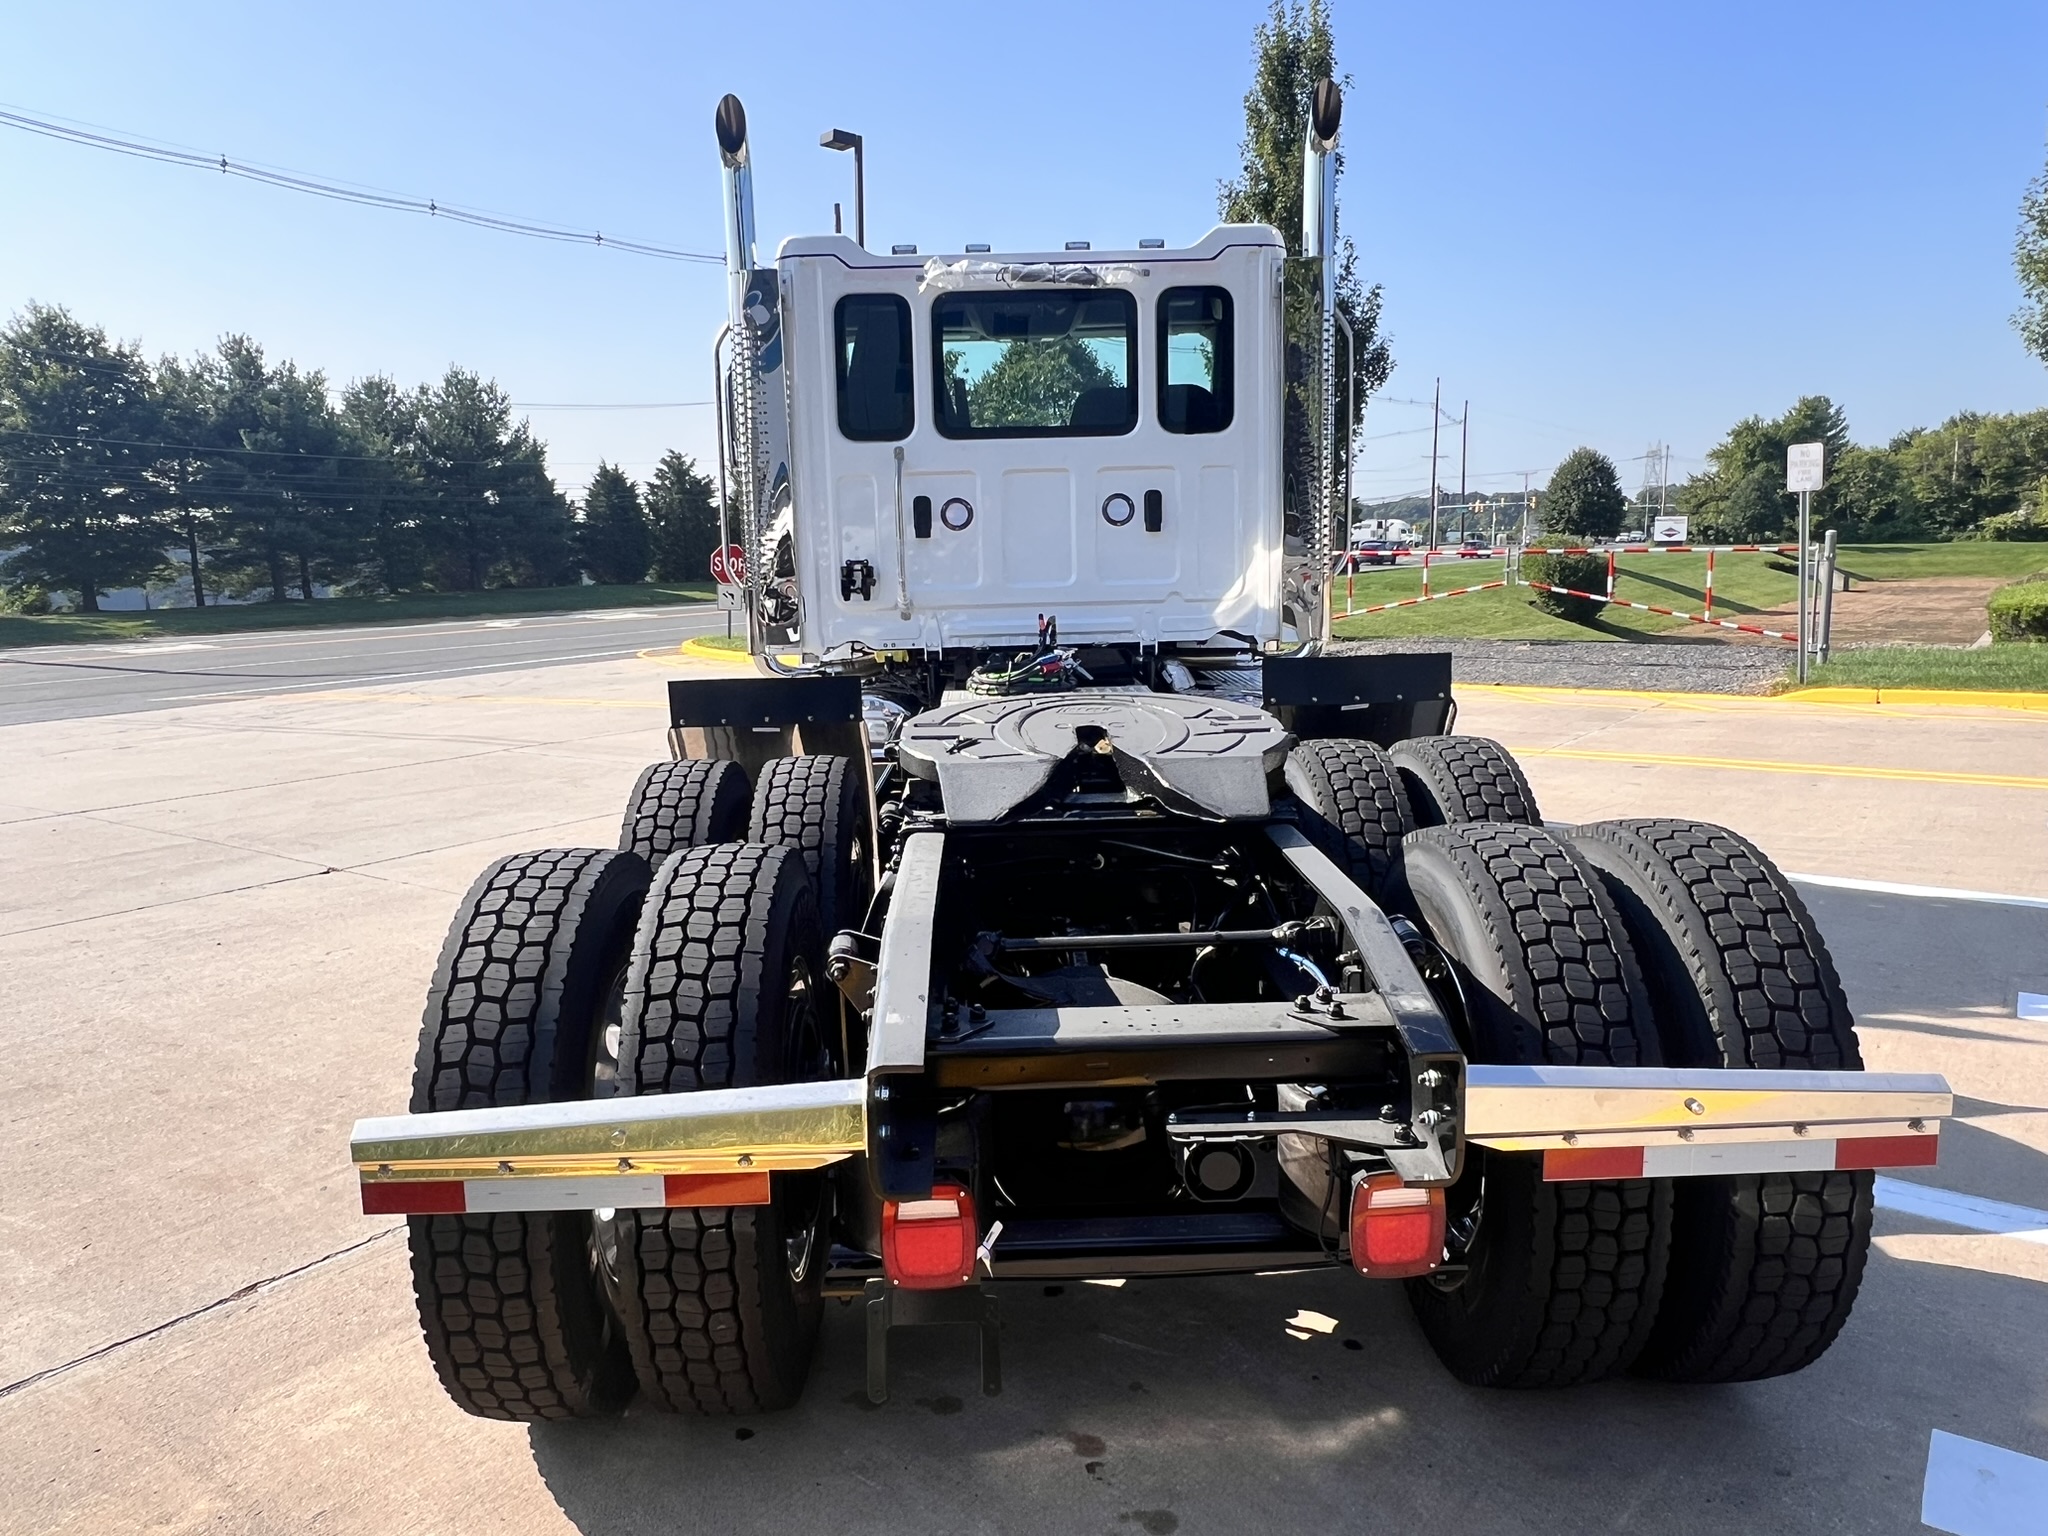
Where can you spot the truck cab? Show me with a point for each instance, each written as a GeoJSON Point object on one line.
{"type": "Point", "coordinates": [981, 441]}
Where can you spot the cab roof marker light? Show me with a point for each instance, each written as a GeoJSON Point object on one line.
{"type": "Point", "coordinates": [1151, 244]}
{"type": "Point", "coordinates": [977, 248]}
{"type": "Point", "coordinates": [1077, 245]}
{"type": "Point", "coordinates": [902, 250]}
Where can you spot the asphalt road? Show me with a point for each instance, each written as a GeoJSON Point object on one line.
{"type": "Point", "coordinates": [70, 682]}
{"type": "Point", "coordinates": [218, 922]}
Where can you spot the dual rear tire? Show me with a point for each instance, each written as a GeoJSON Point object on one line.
{"type": "Point", "coordinates": [1625, 943]}
{"type": "Point", "coordinates": [575, 973]}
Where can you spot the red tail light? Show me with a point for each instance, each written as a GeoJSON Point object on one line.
{"type": "Point", "coordinates": [929, 1245]}
{"type": "Point", "coordinates": [1397, 1230]}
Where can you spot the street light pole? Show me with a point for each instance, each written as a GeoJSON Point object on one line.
{"type": "Point", "coordinates": [839, 138]}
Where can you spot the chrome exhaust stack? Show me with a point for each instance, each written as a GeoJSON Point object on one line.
{"type": "Point", "coordinates": [757, 446]}
{"type": "Point", "coordinates": [1319, 244]}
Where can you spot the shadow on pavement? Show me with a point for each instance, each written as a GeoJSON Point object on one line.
{"type": "Point", "coordinates": [1188, 1407]}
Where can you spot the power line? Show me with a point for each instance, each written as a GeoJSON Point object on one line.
{"type": "Point", "coordinates": [368, 197]}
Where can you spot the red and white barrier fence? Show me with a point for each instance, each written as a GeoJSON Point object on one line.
{"type": "Point", "coordinates": [1669, 613]}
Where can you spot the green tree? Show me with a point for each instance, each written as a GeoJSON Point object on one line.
{"type": "Point", "coordinates": [1292, 50]}
{"type": "Point", "coordinates": [490, 514]}
{"type": "Point", "coordinates": [2030, 263]}
{"type": "Point", "coordinates": [178, 470]}
{"type": "Point", "coordinates": [1584, 498]}
{"type": "Point", "coordinates": [76, 412]}
{"type": "Point", "coordinates": [1973, 466]}
{"type": "Point", "coordinates": [682, 506]}
{"type": "Point", "coordinates": [271, 440]}
{"type": "Point", "coordinates": [1033, 382]}
{"type": "Point", "coordinates": [612, 536]}
{"type": "Point", "coordinates": [379, 422]}
{"type": "Point", "coordinates": [1742, 497]}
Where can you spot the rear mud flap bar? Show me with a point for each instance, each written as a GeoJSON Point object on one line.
{"type": "Point", "coordinates": [711, 1148]}
{"type": "Point", "coordinates": [1644, 1122]}
{"type": "Point", "coordinates": [717, 1147]}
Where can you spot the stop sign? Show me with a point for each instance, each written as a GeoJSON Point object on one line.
{"type": "Point", "coordinates": [729, 565]}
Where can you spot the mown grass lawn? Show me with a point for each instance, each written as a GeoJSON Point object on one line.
{"type": "Point", "coordinates": [70, 628]}
{"type": "Point", "coordinates": [2019, 667]}
{"type": "Point", "coordinates": [1743, 585]}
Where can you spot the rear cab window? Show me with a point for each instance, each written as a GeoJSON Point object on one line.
{"type": "Point", "coordinates": [1196, 365]}
{"type": "Point", "coordinates": [1034, 365]}
{"type": "Point", "coordinates": [872, 334]}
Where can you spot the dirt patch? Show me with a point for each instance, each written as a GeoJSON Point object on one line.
{"type": "Point", "coordinates": [1929, 610]}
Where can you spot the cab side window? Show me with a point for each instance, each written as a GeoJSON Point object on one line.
{"type": "Point", "coordinates": [1196, 366]}
{"type": "Point", "coordinates": [872, 331]}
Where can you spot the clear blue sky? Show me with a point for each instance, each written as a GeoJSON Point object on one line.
{"type": "Point", "coordinates": [1609, 224]}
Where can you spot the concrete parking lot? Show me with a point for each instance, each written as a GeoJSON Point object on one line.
{"type": "Point", "coordinates": [217, 922]}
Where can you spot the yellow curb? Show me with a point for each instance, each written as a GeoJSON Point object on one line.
{"type": "Point", "coordinates": [1990, 698]}
{"type": "Point", "coordinates": [1765, 765]}
{"type": "Point", "coordinates": [696, 646]}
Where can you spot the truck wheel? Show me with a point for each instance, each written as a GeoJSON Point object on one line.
{"type": "Point", "coordinates": [819, 807]}
{"type": "Point", "coordinates": [1354, 807]}
{"type": "Point", "coordinates": [1549, 1285]}
{"type": "Point", "coordinates": [511, 1306]}
{"type": "Point", "coordinates": [1764, 1267]}
{"type": "Point", "coordinates": [721, 1305]}
{"type": "Point", "coordinates": [685, 804]}
{"type": "Point", "coordinates": [1452, 779]}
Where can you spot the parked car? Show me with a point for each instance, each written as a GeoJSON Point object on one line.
{"type": "Point", "coordinates": [1472, 547]}
{"type": "Point", "coordinates": [1372, 552]}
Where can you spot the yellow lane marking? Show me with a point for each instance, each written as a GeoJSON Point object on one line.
{"type": "Point", "coordinates": [367, 696]}
{"type": "Point", "coordinates": [1850, 701]}
{"type": "Point", "coordinates": [1762, 765]}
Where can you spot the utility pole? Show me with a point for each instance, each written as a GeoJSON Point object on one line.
{"type": "Point", "coordinates": [1464, 443]}
{"type": "Point", "coordinates": [1436, 419]}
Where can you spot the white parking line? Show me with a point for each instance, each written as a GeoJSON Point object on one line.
{"type": "Point", "coordinates": [1974, 1489]}
{"type": "Point", "coordinates": [1932, 892]}
{"type": "Point", "coordinates": [1970, 1211]}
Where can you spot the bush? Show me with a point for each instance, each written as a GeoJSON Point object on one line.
{"type": "Point", "coordinates": [27, 599]}
{"type": "Point", "coordinates": [2020, 611]}
{"type": "Point", "coordinates": [2023, 526]}
{"type": "Point", "coordinates": [1582, 573]}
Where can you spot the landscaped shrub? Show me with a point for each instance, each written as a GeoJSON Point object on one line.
{"type": "Point", "coordinates": [1582, 573]}
{"type": "Point", "coordinates": [2029, 524]}
{"type": "Point", "coordinates": [2020, 611]}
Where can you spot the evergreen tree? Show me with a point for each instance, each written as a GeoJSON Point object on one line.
{"type": "Point", "coordinates": [379, 423]}
{"type": "Point", "coordinates": [1292, 50]}
{"type": "Point", "coordinates": [612, 536]}
{"type": "Point", "coordinates": [682, 506]}
{"type": "Point", "coordinates": [74, 497]}
{"type": "Point", "coordinates": [1584, 499]}
{"type": "Point", "coordinates": [490, 514]}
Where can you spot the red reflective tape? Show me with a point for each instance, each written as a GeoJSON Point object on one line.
{"type": "Point", "coordinates": [413, 1197]}
{"type": "Point", "coordinates": [715, 1188]}
{"type": "Point", "coordinates": [1592, 1163]}
{"type": "Point", "coordinates": [1887, 1151]}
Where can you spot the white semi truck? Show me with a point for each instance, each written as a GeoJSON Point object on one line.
{"type": "Point", "coordinates": [1053, 905]}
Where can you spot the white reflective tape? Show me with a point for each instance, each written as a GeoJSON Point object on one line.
{"type": "Point", "coordinates": [616, 1191]}
{"type": "Point", "coordinates": [927, 1210]}
{"type": "Point", "coordinates": [1974, 1489]}
{"type": "Point", "coordinates": [2033, 1006]}
{"type": "Point", "coordinates": [1968, 1211]}
{"type": "Point", "coordinates": [1687, 1161]}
